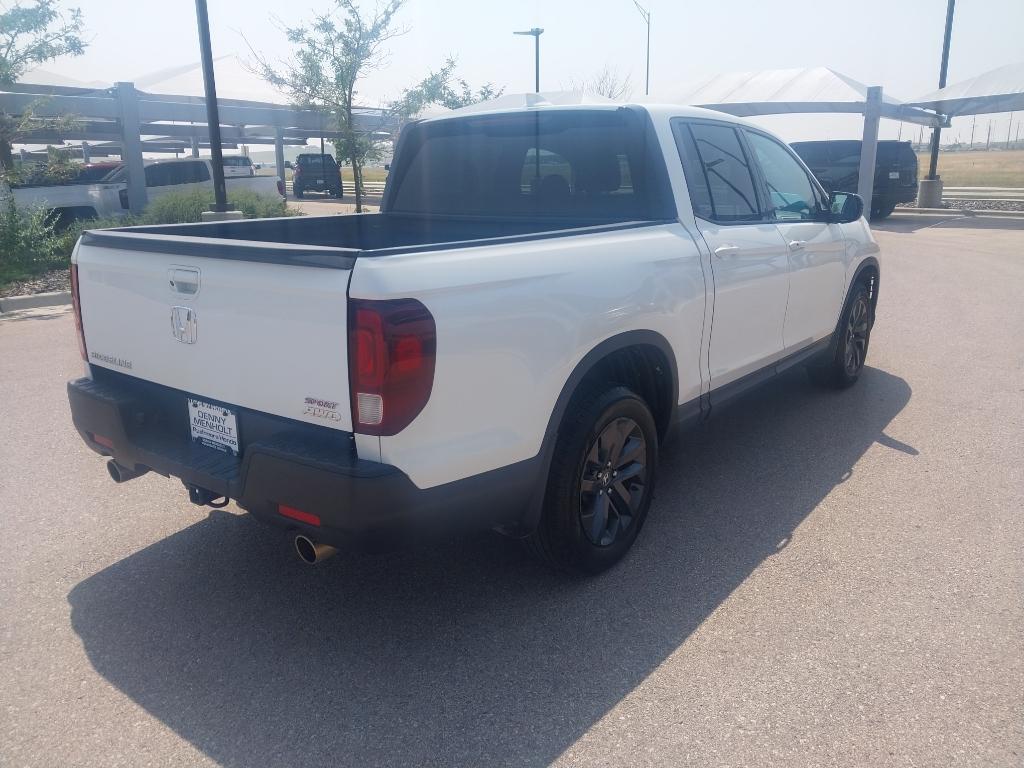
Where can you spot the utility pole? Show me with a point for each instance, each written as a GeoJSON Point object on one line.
{"type": "Point", "coordinates": [988, 140]}
{"type": "Point", "coordinates": [929, 194]}
{"type": "Point", "coordinates": [1008, 129]}
{"type": "Point", "coordinates": [973, 124]}
{"type": "Point", "coordinates": [646, 13]}
{"type": "Point", "coordinates": [536, 32]}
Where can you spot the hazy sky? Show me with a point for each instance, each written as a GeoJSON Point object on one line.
{"type": "Point", "coordinates": [893, 43]}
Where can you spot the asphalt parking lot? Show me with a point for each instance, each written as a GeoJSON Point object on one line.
{"type": "Point", "coordinates": [824, 579]}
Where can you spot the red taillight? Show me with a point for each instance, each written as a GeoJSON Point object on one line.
{"type": "Point", "coordinates": [391, 347]}
{"type": "Point", "coordinates": [76, 305]}
{"type": "Point", "coordinates": [106, 442]}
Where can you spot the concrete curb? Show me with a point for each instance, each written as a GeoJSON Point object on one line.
{"type": "Point", "coordinates": [965, 212]}
{"type": "Point", "coordinates": [55, 299]}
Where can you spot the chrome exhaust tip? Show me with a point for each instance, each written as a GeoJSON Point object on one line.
{"type": "Point", "coordinates": [312, 552]}
{"type": "Point", "coordinates": [119, 473]}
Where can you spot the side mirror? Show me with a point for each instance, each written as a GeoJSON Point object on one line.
{"type": "Point", "coordinates": [387, 166]}
{"type": "Point", "coordinates": [287, 163]}
{"type": "Point", "coordinates": [845, 207]}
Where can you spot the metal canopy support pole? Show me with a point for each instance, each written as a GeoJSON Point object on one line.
{"type": "Point", "coordinates": [195, 146]}
{"type": "Point", "coordinates": [131, 146]}
{"type": "Point", "coordinates": [85, 152]}
{"type": "Point", "coordinates": [869, 146]}
{"type": "Point", "coordinates": [279, 153]}
{"type": "Point", "coordinates": [933, 161]}
{"type": "Point", "coordinates": [212, 115]}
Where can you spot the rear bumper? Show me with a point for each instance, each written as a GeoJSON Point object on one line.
{"type": "Point", "coordinates": [894, 195]}
{"type": "Point", "coordinates": [306, 468]}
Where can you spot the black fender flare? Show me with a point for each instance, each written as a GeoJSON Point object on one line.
{"type": "Point", "coordinates": [634, 338]}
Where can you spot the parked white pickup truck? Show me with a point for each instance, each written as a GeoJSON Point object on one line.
{"type": "Point", "coordinates": [109, 198]}
{"type": "Point", "coordinates": [508, 348]}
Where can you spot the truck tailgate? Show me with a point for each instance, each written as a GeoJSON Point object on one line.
{"type": "Point", "coordinates": [255, 328]}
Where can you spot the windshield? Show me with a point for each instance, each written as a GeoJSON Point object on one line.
{"type": "Point", "coordinates": [595, 165]}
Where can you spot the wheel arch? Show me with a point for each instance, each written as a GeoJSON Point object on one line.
{"type": "Point", "coordinates": [869, 273]}
{"type": "Point", "coordinates": [607, 359]}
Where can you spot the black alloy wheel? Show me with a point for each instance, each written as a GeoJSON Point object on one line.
{"type": "Point", "coordinates": [858, 327]}
{"type": "Point", "coordinates": [613, 481]}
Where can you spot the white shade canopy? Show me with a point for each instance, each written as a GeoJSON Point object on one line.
{"type": "Point", "coordinates": [791, 91]}
{"type": "Point", "coordinates": [1000, 90]}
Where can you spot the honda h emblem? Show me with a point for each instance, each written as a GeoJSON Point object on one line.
{"type": "Point", "coordinates": [183, 324]}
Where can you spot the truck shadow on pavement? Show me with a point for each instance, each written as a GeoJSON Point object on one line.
{"type": "Point", "coordinates": [468, 654]}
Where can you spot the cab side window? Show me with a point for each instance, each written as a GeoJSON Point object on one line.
{"type": "Point", "coordinates": [791, 195]}
{"type": "Point", "coordinates": [718, 173]}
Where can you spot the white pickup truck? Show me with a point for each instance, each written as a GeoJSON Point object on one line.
{"type": "Point", "coordinates": [109, 198]}
{"type": "Point", "coordinates": [547, 293]}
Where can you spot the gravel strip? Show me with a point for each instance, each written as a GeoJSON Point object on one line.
{"type": "Point", "coordinates": [975, 205]}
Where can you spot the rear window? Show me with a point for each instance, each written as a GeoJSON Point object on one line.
{"type": "Point", "coordinates": [811, 152]}
{"type": "Point", "coordinates": [237, 160]}
{"type": "Point", "coordinates": [316, 162]}
{"type": "Point", "coordinates": [593, 165]}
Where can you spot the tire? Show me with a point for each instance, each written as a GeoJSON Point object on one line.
{"type": "Point", "coordinates": [606, 432]}
{"type": "Point", "coordinates": [883, 211]}
{"type": "Point", "coordinates": [854, 335]}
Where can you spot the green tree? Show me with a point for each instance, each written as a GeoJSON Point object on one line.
{"type": "Point", "coordinates": [332, 53]}
{"type": "Point", "coordinates": [30, 35]}
{"type": "Point", "coordinates": [442, 87]}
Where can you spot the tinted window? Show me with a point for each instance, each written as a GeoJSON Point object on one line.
{"type": "Point", "coordinates": [158, 175]}
{"type": "Point", "coordinates": [718, 173]}
{"type": "Point", "coordinates": [790, 192]}
{"type": "Point", "coordinates": [237, 160]}
{"type": "Point", "coordinates": [593, 165]}
{"type": "Point", "coordinates": [844, 154]}
{"type": "Point", "coordinates": [313, 162]}
{"type": "Point", "coordinates": [811, 152]}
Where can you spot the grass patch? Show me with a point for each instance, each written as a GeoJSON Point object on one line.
{"type": "Point", "coordinates": [977, 169]}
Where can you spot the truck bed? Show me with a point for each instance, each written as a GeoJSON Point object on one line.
{"type": "Point", "coordinates": [334, 241]}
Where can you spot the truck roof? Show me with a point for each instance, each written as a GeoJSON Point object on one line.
{"type": "Point", "coordinates": [530, 102]}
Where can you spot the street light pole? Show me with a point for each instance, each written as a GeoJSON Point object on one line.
{"type": "Point", "coordinates": [212, 115]}
{"type": "Point", "coordinates": [536, 32]}
{"type": "Point", "coordinates": [647, 20]}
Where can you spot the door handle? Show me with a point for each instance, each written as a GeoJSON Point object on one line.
{"type": "Point", "coordinates": [725, 251]}
{"type": "Point", "coordinates": [797, 245]}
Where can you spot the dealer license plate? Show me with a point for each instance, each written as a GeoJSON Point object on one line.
{"type": "Point", "coordinates": [213, 426]}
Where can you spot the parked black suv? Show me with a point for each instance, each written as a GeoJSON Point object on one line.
{"type": "Point", "coordinates": [316, 173]}
{"type": "Point", "coordinates": [837, 165]}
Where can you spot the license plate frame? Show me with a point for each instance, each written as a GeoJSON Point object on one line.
{"type": "Point", "coordinates": [213, 426]}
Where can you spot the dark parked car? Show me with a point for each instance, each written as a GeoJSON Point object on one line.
{"type": "Point", "coordinates": [837, 165]}
{"type": "Point", "coordinates": [316, 173]}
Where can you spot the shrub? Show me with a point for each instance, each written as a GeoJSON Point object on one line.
{"type": "Point", "coordinates": [29, 243]}
{"type": "Point", "coordinates": [187, 206]}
